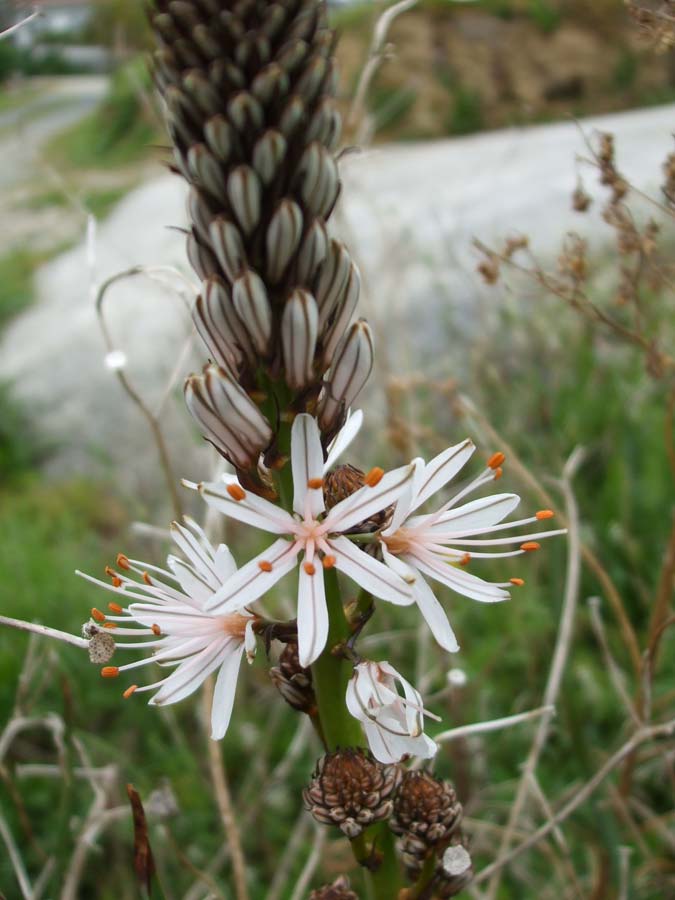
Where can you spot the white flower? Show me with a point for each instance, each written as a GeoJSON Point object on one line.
{"type": "Point", "coordinates": [175, 624]}
{"type": "Point", "coordinates": [312, 532]}
{"type": "Point", "coordinates": [440, 544]}
{"type": "Point", "coordinates": [394, 724]}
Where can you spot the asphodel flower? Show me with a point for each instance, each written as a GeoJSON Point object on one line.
{"type": "Point", "coordinates": [441, 544]}
{"type": "Point", "coordinates": [309, 537]}
{"type": "Point", "coordinates": [169, 614]}
{"type": "Point", "coordinates": [393, 724]}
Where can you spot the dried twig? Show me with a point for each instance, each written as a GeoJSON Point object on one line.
{"type": "Point", "coordinates": [310, 866]}
{"type": "Point", "coordinates": [641, 736]}
{"type": "Point", "coordinates": [493, 724]}
{"type": "Point", "coordinates": [44, 630]}
{"type": "Point", "coordinates": [560, 656]}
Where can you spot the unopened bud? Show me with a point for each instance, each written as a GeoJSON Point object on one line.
{"type": "Point", "coordinates": [206, 170]}
{"type": "Point", "coordinates": [268, 154]}
{"type": "Point", "coordinates": [312, 252]}
{"type": "Point", "coordinates": [318, 179]}
{"type": "Point", "coordinates": [244, 194]}
{"type": "Point", "coordinates": [253, 306]}
{"type": "Point", "coordinates": [283, 237]}
{"type": "Point", "coordinates": [349, 372]}
{"type": "Point", "coordinates": [229, 247]}
{"type": "Point", "coordinates": [299, 329]}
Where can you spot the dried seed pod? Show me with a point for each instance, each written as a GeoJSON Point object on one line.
{"type": "Point", "coordinates": [338, 890]}
{"type": "Point", "coordinates": [282, 238]}
{"type": "Point", "coordinates": [350, 789]}
{"type": "Point", "coordinates": [293, 682]}
{"type": "Point", "coordinates": [299, 330]}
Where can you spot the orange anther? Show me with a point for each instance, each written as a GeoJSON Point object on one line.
{"type": "Point", "coordinates": [518, 582]}
{"type": "Point", "coordinates": [265, 566]}
{"type": "Point", "coordinates": [116, 608]}
{"type": "Point", "coordinates": [236, 492]}
{"type": "Point", "coordinates": [309, 568]}
{"type": "Point", "coordinates": [129, 691]}
{"type": "Point", "coordinates": [329, 562]}
{"type": "Point", "coordinates": [110, 572]}
{"type": "Point", "coordinates": [374, 476]}
{"type": "Point", "coordinates": [156, 630]}
{"type": "Point", "coordinates": [544, 514]}
{"type": "Point", "coordinates": [465, 560]}
{"type": "Point", "coordinates": [109, 672]}
{"type": "Point", "coordinates": [315, 483]}
{"type": "Point", "coordinates": [116, 581]}
{"type": "Point", "coordinates": [529, 546]}
{"type": "Point", "coordinates": [98, 615]}
{"type": "Point", "coordinates": [495, 460]}
{"type": "Point", "coordinates": [498, 473]}
{"type": "Point", "coordinates": [123, 561]}
{"type": "Point", "coordinates": [110, 624]}
{"type": "Point", "coordinates": [146, 578]}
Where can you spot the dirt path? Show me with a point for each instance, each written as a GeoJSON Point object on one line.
{"type": "Point", "coordinates": [410, 213]}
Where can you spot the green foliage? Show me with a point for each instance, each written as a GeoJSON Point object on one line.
{"type": "Point", "coordinates": [16, 281]}
{"type": "Point", "coordinates": [466, 114]}
{"type": "Point", "coordinates": [20, 448]}
{"type": "Point", "coordinates": [626, 70]}
{"type": "Point", "coordinates": [545, 15]}
{"type": "Point", "coordinates": [118, 132]}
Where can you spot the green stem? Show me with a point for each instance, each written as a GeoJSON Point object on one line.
{"type": "Point", "coordinates": [425, 878]}
{"type": "Point", "coordinates": [331, 673]}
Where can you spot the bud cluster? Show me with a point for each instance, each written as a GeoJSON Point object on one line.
{"type": "Point", "coordinates": [249, 95]}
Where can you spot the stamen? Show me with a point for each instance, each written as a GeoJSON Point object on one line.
{"type": "Point", "coordinates": [156, 630]}
{"type": "Point", "coordinates": [498, 473]}
{"type": "Point", "coordinates": [110, 572]}
{"type": "Point", "coordinates": [315, 483]}
{"type": "Point", "coordinates": [465, 560]}
{"type": "Point", "coordinates": [496, 460]}
{"type": "Point", "coordinates": [529, 546]}
{"type": "Point", "coordinates": [129, 691]}
{"type": "Point", "coordinates": [544, 514]}
{"type": "Point", "coordinates": [309, 568]}
{"type": "Point", "coordinates": [329, 562]}
{"type": "Point", "coordinates": [265, 566]}
{"type": "Point", "coordinates": [116, 608]}
{"type": "Point", "coordinates": [518, 582]}
{"type": "Point", "coordinates": [109, 672]}
{"type": "Point", "coordinates": [146, 578]}
{"type": "Point", "coordinates": [236, 492]}
{"type": "Point", "coordinates": [374, 477]}
{"type": "Point", "coordinates": [122, 561]}
{"type": "Point", "coordinates": [97, 614]}
{"type": "Point", "coordinates": [116, 581]}
{"type": "Point", "coordinates": [110, 625]}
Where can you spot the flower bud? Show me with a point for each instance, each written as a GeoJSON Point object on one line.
{"type": "Point", "coordinates": [206, 170]}
{"type": "Point", "coordinates": [228, 417]}
{"type": "Point", "coordinates": [229, 247]}
{"type": "Point", "coordinates": [201, 259]}
{"type": "Point", "coordinates": [253, 306]}
{"type": "Point", "coordinates": [220, 327]}
{"type": "Point", "coordinates": [268, 154]}
{"type": "Point", "coordinates": [349, 372]}
{"type": "Point", "coordinates": [342, 314]}
{"type": "Point", "coordinates": [244, 194]}
{"type": "Point", "coordinates": [299, 329]}
{"type": "Point", "coordinates": [318, 180]}
{"type": "Point", "coordinates": [219, 137]}
{"type": "Point", "coordinates": [283, 237]}
{"type": "Point", "coordinates": [333, 278]}
{"type": "Point", "coordinates": [312, 252]}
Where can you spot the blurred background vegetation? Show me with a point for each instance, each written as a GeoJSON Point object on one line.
{"type": "Point", "coordinates": [543, 378]}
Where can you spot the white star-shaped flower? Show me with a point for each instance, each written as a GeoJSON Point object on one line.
{"type": "Point", "coordinates": [311, 533]}
{"type": "Point", "coordinates": [440, 544]}
{"type": "Point", "coordinates": [394, 724]}
{"type": "Point", "coordinates": [171, 610]}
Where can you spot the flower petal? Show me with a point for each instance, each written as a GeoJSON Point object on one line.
{"type": "Point", "coordinates": [343, 438]}
{"type": "Point", "coordinates": [307, 464]}
{"type": "Point", "coordinates": [442, 469]}
{"type": "Point", "coordinates": [435, 616]}
{"type": "Point", "coordinates": [223, 695]}
{"type": "Point", "coordinates": [370, 500]}
{"type": "Point", "coordinates": [406, 502]}
{"type": "Point", "coordinates": [369, 573]}
{"type": "Point", "coordinates": [458, 580]}
{"type": "Point", "coordinates": [312, 615]}
{"type": "Point", "coordinates": [190, 674]}
{"type": "Point", "coordinates": [251, 509]}
{"type": "Point", "coordinates": [252, 581]}
{"type": "Point", "coordinates": [478, 514]}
